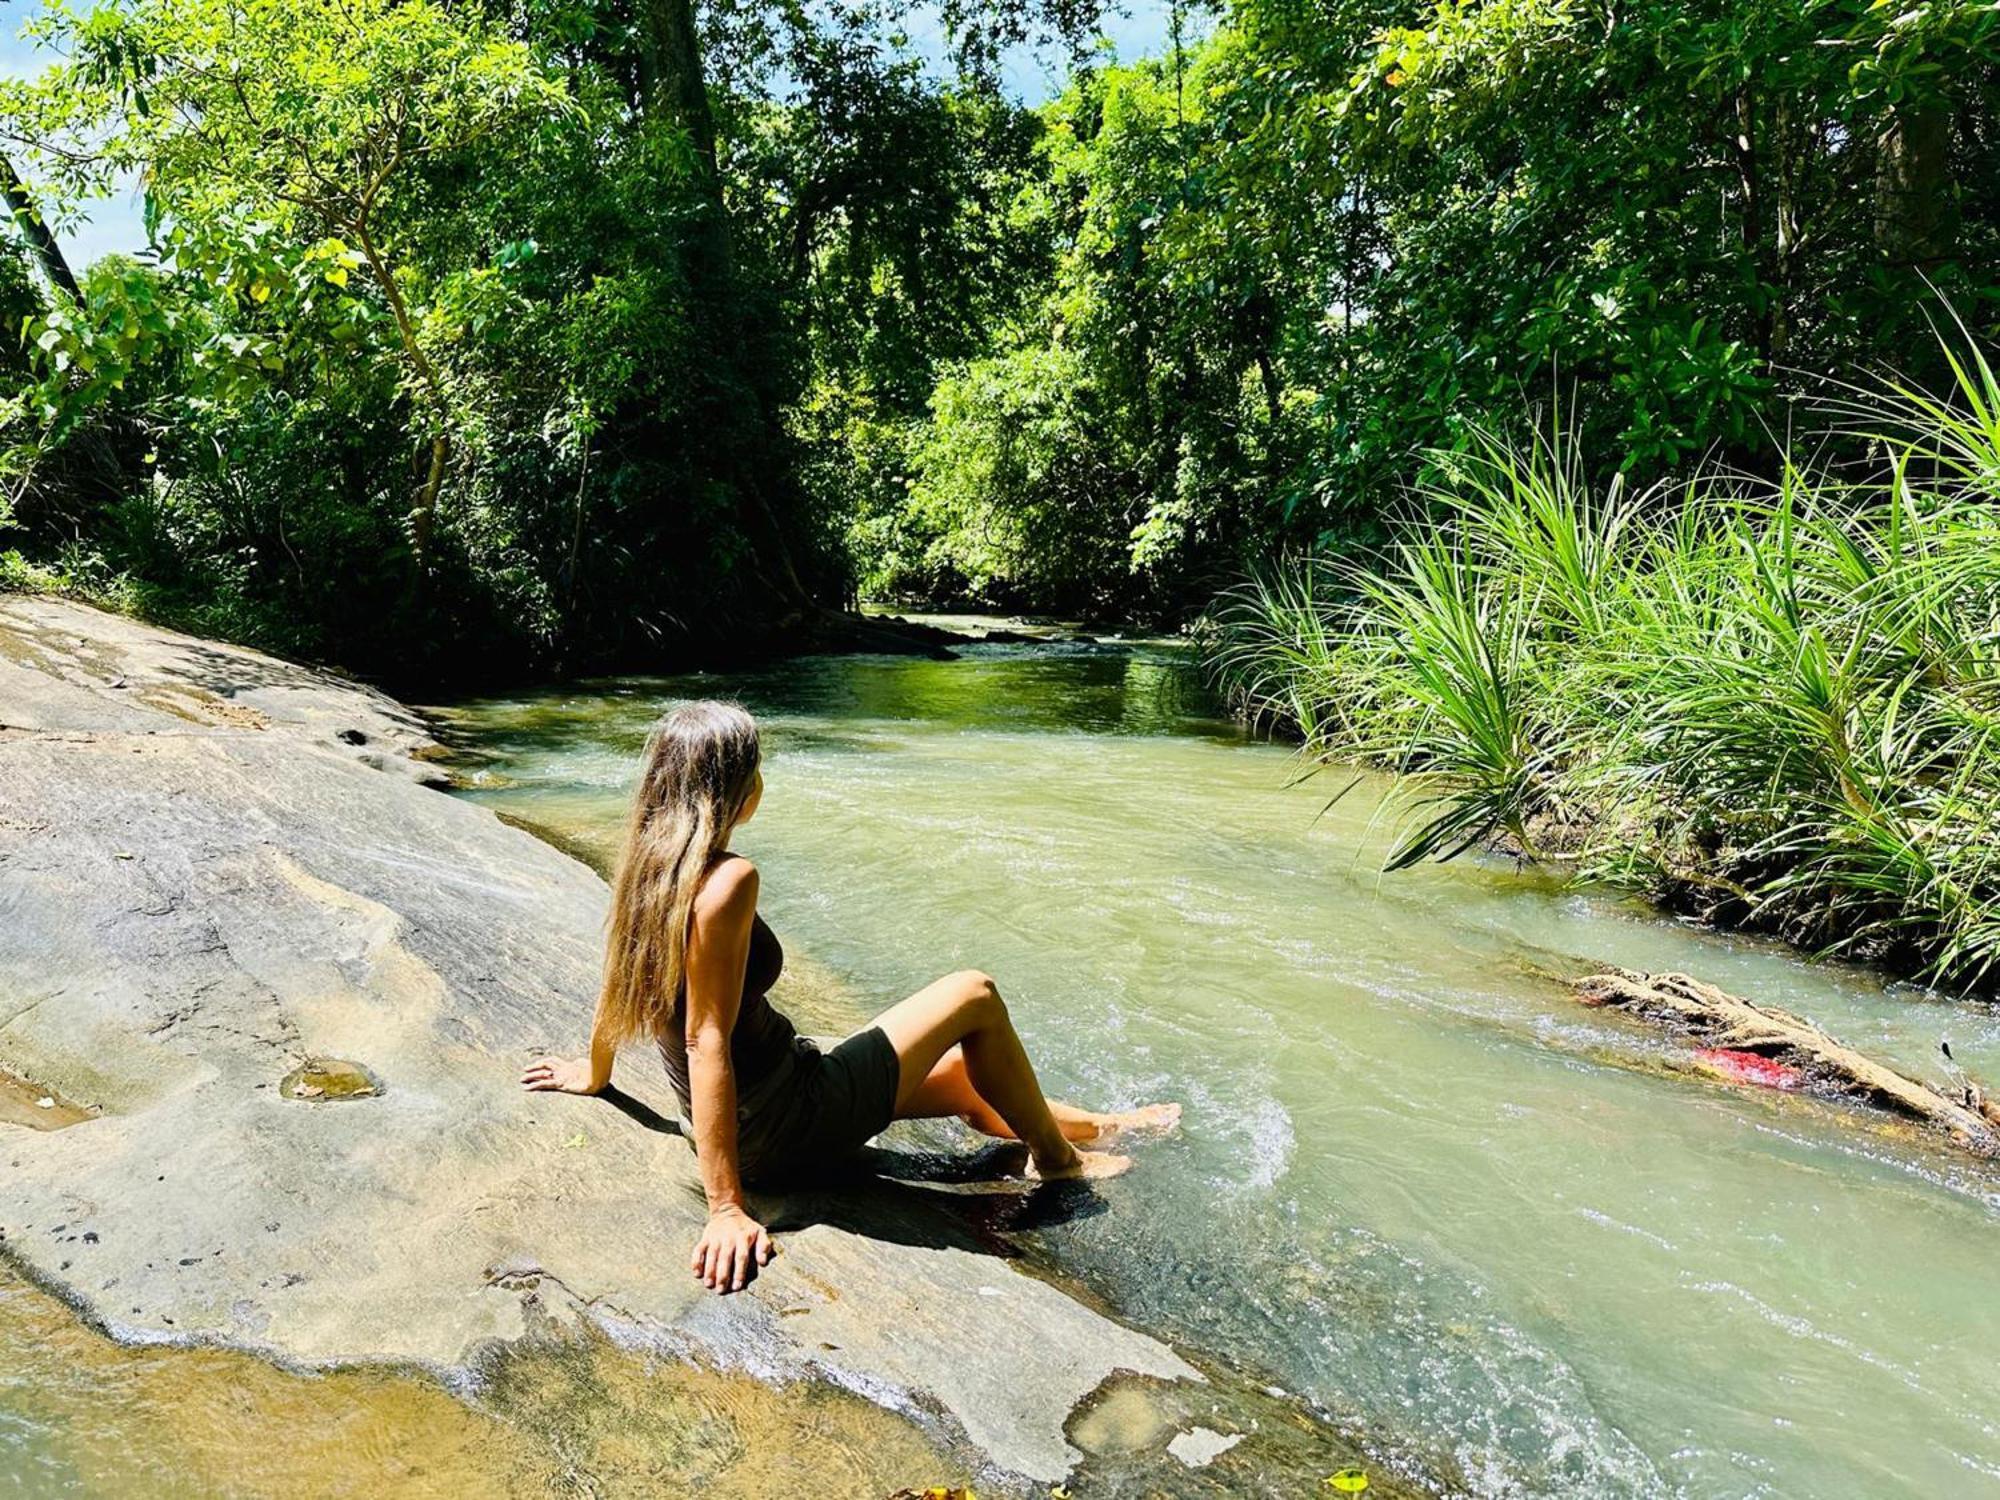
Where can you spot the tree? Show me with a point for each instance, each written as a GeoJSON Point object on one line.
{"type": "Point", "coordinates": [315, 118]}
{"type": "Point", "coordinates": [1678, 208]}
{"type": "Point", "coordinates": [35, 232]}
{"type": "Point", "coordinates": [494, 302]}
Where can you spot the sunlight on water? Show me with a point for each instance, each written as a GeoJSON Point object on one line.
{"type": "Point", "coordinates": [572, 1417]}
{"type": "Point", "coordinates": [1417, 1183]}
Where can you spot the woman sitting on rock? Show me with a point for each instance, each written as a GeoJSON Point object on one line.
{"type": "Point", "coordinates": [689, 964]}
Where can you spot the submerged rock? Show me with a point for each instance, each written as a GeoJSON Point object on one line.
{"type": "Point", "coordinates": [329, 1079]}
{"type": "Point", "coordinates": [1199, 1447]}
{"type": "Point", "coordinates": [218, 874]}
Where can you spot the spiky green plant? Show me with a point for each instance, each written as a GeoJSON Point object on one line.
{"type": "Point", "coordinates": [1777, 701]}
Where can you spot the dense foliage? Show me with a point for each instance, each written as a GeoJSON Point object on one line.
{"type": "Point", "coordinates": [1773, 703]}
{"type": "Point", "coordinates": [1338, 236]}
{"type": "Point", "coordinates": [1131, 438]}
{"type": "Point", "coordinates": [482, 340]}
{"type": "Point", "coordinates": [606, 330]}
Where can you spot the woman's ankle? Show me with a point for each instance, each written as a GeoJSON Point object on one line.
{"type": "Point", "coordinates": [1057, 1158]}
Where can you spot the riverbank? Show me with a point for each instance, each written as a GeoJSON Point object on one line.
{"type": "Point", "coordinates": [423, 677]}
{"type": "Point", "coordinates": [219, 866]}
{"type": "Point", "coordinates": [1770, 707]}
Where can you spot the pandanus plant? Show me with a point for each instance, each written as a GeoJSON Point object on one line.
{"type": "Point", "coordinates": [1777, 699]}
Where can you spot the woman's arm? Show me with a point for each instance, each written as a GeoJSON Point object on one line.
{"type": "Point", "coordinates": [733, 1244]}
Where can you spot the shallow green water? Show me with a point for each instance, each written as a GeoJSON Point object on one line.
{"type": "Point", "coordinates": [1416, 1181]}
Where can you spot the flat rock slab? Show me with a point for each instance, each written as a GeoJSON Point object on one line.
{"type": "Point", "coordinates": [215, 868]}
{"type": "Point", "coordinates": [67, 667]}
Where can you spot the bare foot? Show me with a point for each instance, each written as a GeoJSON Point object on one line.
{"type": "Point", "coordinates": [1149, 1119]}
{"type": "Point", "coordinates": [1086, 1164]}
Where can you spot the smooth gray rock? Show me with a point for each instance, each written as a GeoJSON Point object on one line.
{"type": "Point", "coordinates": [203, 883]}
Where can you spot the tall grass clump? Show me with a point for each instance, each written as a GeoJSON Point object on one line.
{"type": "Point", "coordinates": [1772, 702]}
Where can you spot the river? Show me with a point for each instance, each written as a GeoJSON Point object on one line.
{"type": "Point", "coordinates": [1416, 1183]}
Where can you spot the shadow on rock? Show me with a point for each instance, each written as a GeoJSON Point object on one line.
{"type": "Point", "coordinates": [929, 1194]}
{"type": "Point", "coordinates": [639, 1111]}
{"type": "Point", "coordinates": [930, 1198]}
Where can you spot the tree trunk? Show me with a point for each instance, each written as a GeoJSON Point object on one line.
{"type": "Point", "coordinates": [1786, 230]}
{"type": "Point", "coordinates": [1965, 1115]}
{"type": "Point", "coordinates": [1914, 202]}
{"type": "Point", "coordinates": [676, 82]}
{"type": "Point", "coordinates": [35, 230]}
{"type": "Point", "coordinates": [1751, 226]}
{"type": "Point", "coordinates": [676, 85]}
{"type": "Point", "coordinates": [1260, 333]}
{"type": "Point", "coordinates": [423, 514]}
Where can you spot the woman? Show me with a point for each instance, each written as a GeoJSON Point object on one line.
{"type": "Point", "coordinates": [689, 965]}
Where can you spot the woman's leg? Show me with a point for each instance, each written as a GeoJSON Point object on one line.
{"type": "Point", "coordinates": [965, 1010]}
{"type": "Point", "coordinates": [948, 1091]}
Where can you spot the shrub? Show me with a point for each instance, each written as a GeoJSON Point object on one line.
{"type": "Point", "coordinates": [1773, 702]}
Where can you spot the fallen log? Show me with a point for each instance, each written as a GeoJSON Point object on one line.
{"type": "Point", "coordinates": [1720, 1020]}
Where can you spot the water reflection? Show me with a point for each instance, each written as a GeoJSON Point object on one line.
{"type": "Point", "coordinates": [1075, 689]}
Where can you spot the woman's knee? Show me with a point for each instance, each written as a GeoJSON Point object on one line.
{"type": "Point", "coordinates": [979, 997]}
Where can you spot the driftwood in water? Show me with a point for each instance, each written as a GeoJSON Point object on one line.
{"type": "Point", "coordinates": [1718, 1019]}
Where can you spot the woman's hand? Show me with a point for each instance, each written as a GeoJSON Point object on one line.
{"type": "Point", "coordinates": [730, 1250]}
{"type": "Point", "coordinates": [562, 1075]}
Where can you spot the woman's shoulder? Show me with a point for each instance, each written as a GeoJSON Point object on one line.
{"type": "Point", "coordinates": [728, 890]}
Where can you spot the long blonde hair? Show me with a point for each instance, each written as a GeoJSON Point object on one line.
{"type": "Point", "coordinates": [701, 765]}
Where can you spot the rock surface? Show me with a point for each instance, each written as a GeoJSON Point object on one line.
{"type": "Point", "coordinates": [215, 866]}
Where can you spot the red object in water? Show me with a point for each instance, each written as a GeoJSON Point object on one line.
{"type": "Point", "coordinates": [1748, 1067]}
